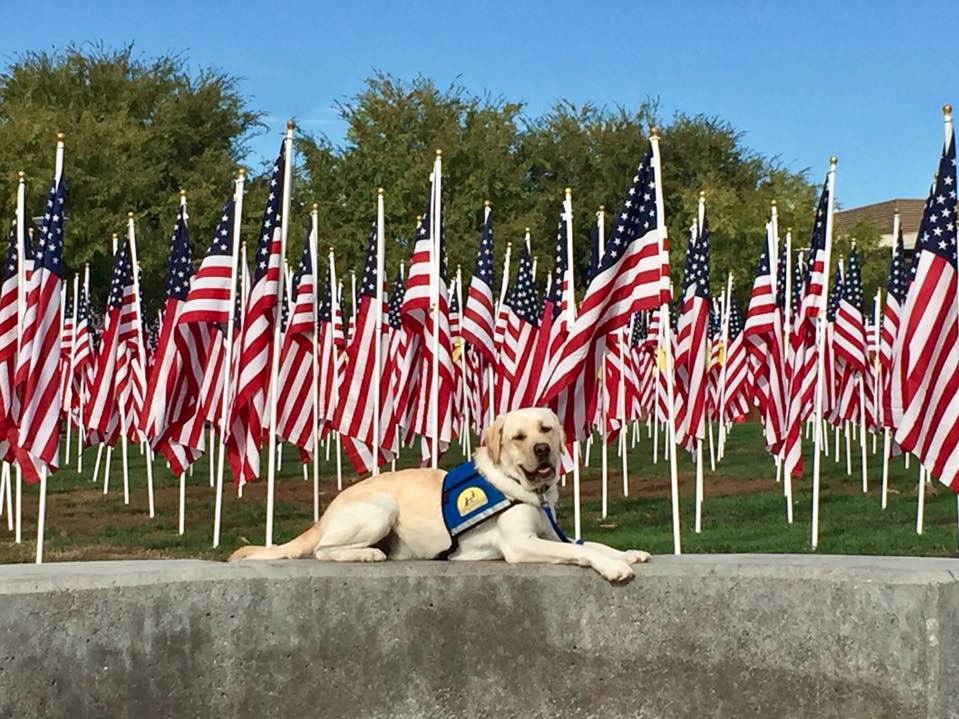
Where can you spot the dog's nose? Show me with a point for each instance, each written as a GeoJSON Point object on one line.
{"type": "Point", "coordinates": [541, 450]}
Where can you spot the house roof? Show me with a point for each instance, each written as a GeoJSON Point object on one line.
{"type": "Point", "coordinates": [880, 215]}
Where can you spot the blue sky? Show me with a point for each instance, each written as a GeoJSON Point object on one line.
{"type": "Point", "coordinates": [803, 80]}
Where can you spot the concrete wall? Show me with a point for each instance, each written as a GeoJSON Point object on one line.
{"type": "Point", "coordinates": [697, 636]}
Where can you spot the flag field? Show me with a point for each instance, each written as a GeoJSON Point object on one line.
{"type": "Point", "coordinates": [743, 509]}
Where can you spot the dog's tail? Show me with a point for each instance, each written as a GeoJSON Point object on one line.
{"type": "Point", "coordinates": [299, 548]}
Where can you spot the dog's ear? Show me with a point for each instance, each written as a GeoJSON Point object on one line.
{"type": "Point", "coordinates": [493, 439]}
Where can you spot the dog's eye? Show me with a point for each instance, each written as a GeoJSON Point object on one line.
{"type": "Point", "coordinates": [519, 437]}
{"type": "Point", "coordinates": [546, 429]}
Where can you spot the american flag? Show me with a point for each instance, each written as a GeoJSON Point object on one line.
{"type": "Point", "coordinates": [201, 325]}
{"type": "Point", "coordinates": [418, 319]}
{"type": "Point", "coordinates": [629, 278]}
{"type": "Point", "coordinates": [298, 356]}
{"type": "Point", "coordinates": [248, 418]}
{"type": "Point", "coordinates": [850, 329]}
{"type": "Point", "coordinates": [211, 293]}
{"type": "Point", "coordinates": [895, 299]}
{"type": "Point", "coordinates": [102, 412]}
{"type": "Point", "coordinates": [803, 355]}
{"type": "Point", "coordinates": [691, 333]}
{"type": "Point", "coordinates": [517, 358]}
{"type": "Point", "coordinates": [394, 360]}
{"type": "Point", "coordinates": [928, 343]}
{"type": "Point", "coordinates": [66, 350]}
{"type": "Point", "coordinates": [331, 343]}
{"type": "Point", "coordinates": [739, 380]}
{"type": "Point", "coordinates": [9, 402]}
{"type": "Point", "coordinates": [763, 334]}
{"type": "Point", "coordinates": [39, 435]}
{"type": "Point", "coordinates": [478, 311]}
{"type": "Point", "coordinates": [173, 391]}
{"type": "Point", "coordinates": [356, 406]}
{"type": "Point", "coordinates": [832, 370]}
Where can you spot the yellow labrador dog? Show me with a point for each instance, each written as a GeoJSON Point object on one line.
{"type": "Point", "coordinates": [399, 515]}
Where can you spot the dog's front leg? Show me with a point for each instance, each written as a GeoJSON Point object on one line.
{"type": "Point", "coordinates": [630, 556]}
{"type": "Point", "coordinates": [523, 549]}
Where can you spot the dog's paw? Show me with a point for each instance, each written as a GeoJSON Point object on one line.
{"type": "Point", "coordinates": [614, 570]}
{"type": "Point", "coordinates": [373, 554]}
{"type": "Point", "coordinates": [636, 556]}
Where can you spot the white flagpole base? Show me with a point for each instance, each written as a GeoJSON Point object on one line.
{"type": "Point", "coordinates": [182, 512]}
{"type": "Point", "coordinates": [41, 513]}
{"type": "Point", "coordinates": [699, 485]}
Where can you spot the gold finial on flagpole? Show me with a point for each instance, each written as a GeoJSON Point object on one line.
{"type": "Point", "coordinates": [439, 153]}
{"type": "Point", "coordinates": [60, 137]}
{"type": "Point", "coordinates": [487, 203]}
{"type": "Point", "coordinates": [653, 131]}
{"type": "Point", "coordinates": [316, 206]}
{"type": "Point", "coordinates": [291, 124]}
{"type": "Point", "coordinates": [21, 175]}
{"type": "Point", "coordinates": [130, 215]}
{"type": "Point", "coordinates": [947, 109]}
{"type": "Point", "coordinates": [773, 203]}
{"type": "Point", "coordinates": [241, 172]}
{"type": "Point", "coordinates": [379, 191]}
{"type": "Point", "coordinates": [833, 160]}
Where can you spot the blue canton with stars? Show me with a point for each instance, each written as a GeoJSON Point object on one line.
{"type": "Point", "coordinates": [122, 275]}
{"type": "Point", "coordinates": [10, 268]}
{"type": "Point", "coordinates": [896, 286]}
{"type": "Point", "coordinates": [696, 271]}
{"type": "Point", "coordinates": [523, 297]}
{"type": "Point", "coordinates": [781, 280]}
{"type": "Point", "coordinates": [305, 265]}
{"type": "Point", "coordinates": [835, 296]}
{"type": "Point", "coordinates": [639, 330]}
{"type": "Point", "coordinates": [272, 216]}
{"type": "Point", "coordinates": [852, 287]}
{"type": "Point", "coordinates": [394, 318]}
{"type": "Point", "coordinates": [559, 266]}
{"type": "Point", "coordinates": [180, 265]}
{"type": "Point", "coordinates": [638, 216]}
{"type": "Point", "coordinates": [735, 316]}
{"type": "Point", "coordinates": [222, 242]}
{"type": "Point", "coordinates": [483, 269]}
{"type": "Point", "coordinates": [50, 253]}
{"type": "Point", "coordinates": [368, 288]}
{"type": "Point", "coordinates": [938, 227]}
{"type": "Point", "coordinates": [818, 243]}
{"type": "Point", "coordinates": [797, 284]}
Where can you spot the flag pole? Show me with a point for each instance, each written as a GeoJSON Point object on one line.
{"type": "Point", "coordinates": [226, 382]}
{"type": "Point", "coordinates": [489, 370]}
{"type": "Point", "coordinates": [123, 421]}
{"type": "Point", "coordinates": [623, 429]}
{"type": "Point", "coordinates": [436, 230]}
{"type": "Point", "coordinates": [886, 438]}
{"type": "Point", "coordinates": [275, 354]}
{"type": "Point", "coordinates": [820, 360]}
{"type": "Point", "coordinates": [467, 445]}
{"type": "Point", "coordinates": [314, 356]}
{"type": "Point", "coordinates": [603, 450]}
{"type": "Point", "coordinates": [73, 357]}
{"type": "Point", "coordinates": [571, 319]}
{"type": "Point", "coordinates": [80, 432]}
{"type": "Point", "coordinates": [42, 509]}
{"type": "Point", "coordinates": [378, 329]}
{"type": "Point", "coordinates": [141, 352]}
{"type": "Point", "coordinates": [665, 345]}
{"type": "Point", "coordinates": [337, 359]}
{"type": "Point", "coordinates": [21, 309]}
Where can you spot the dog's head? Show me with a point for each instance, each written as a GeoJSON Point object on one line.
{"type": "Point", "coordinates": [527, 445]}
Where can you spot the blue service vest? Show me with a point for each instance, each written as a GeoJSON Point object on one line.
{"type": "Point", "coordinates": [469, 499]}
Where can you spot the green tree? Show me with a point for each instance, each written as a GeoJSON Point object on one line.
{"type": "Point", "coordinates": [137, 130]}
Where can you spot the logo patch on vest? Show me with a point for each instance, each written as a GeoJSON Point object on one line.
{"type": "Point", "coordinates": [468, 499]}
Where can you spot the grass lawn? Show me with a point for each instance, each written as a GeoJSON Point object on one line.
{"type": "Point", "coordinates": [744, 509]}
